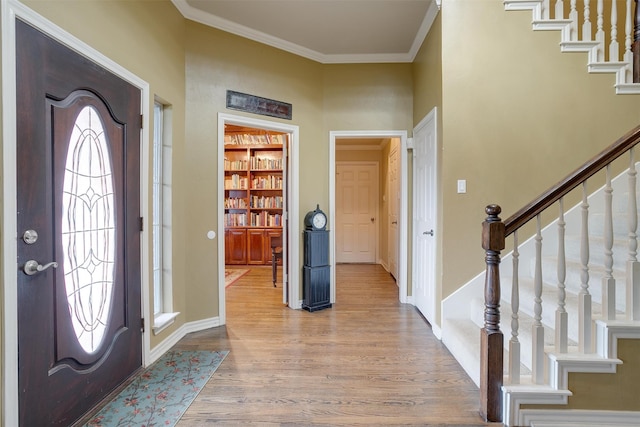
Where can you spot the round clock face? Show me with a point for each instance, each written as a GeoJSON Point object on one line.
{"type": "Point", "coordinates": [319, 220]}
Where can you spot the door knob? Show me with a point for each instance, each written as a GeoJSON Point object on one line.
{"type": "Point", "coordinates": [32, 267]}
{"type": "Point", "coordinates": [430, 232]}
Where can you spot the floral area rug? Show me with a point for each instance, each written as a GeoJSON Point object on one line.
{"type": "Point", "coordinates": [233, 274]}
{"type": "Point", "coordinates": [162, 393]}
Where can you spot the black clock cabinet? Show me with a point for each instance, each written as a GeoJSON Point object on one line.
{"type": "Point", "coordinates": [316, 271]}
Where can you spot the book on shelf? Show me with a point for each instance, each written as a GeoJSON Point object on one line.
{"type": "Point", "coordinates": [236, 182]}
{"type": "Point", "coordinates": [235, 165]}
{"type": "Point", "coordinates": [265, 163]}
{"type": "Point", "coordinates": [266, 202]}
{"type": "Point", "coordinates": [235, 220]}
{"type": "Point", "coordinates": [235, 203]}
{"type": "Point", "coordinates": [251, 139]}
{"type": "Point", "coordinates": [265, 219]}
{"type": "Point", "coordinates": [268, 182]}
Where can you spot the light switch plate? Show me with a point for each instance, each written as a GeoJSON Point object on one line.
{"type": "Point", "coordinates": [462, 186]}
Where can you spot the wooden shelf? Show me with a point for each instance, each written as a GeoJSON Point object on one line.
{"type": "Point", "coordinates": [254, 185]}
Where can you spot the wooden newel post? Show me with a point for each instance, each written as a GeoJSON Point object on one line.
{"type": "Point", "coordinates": [635, 47]}
{"type": "Point", "coordinates": [491, 363]}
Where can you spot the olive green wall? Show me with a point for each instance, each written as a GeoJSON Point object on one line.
{"type": "Point", "coordinates": [216, 62]}
{"type": "Point", "coordinates": [518, 115]}
{"type": "Point", "coordinates": [515, 115]}
{"type": "Point", "coordinates": [190, 66]}
{"type": "Point", "coordinates": [616, 392]}
{"type": "Point", "coordinates": [368, 97]}
{"type": "Point", "coordinates": [427, 95]}
{"type": "Point", "coordinates": [149, 42]}
{"type": "Point", "coordinates": [613, 392]}
{"type": "Point", "coordinates": [348, 97]}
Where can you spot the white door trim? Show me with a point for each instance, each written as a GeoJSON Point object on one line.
{"type": "Point", "coordinates": [293, 214]}
{"type": "Point", "coordinates": [376, 165]}
{"type": "Point", "coordinates": [10, 10]}
{"type": "Point", "coordinates": [402, 260]}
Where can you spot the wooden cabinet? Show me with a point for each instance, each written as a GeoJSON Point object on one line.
{"type": "Point", "coordinates": [253, 195]}
{"type": "Point", "coordinates": [235, 246]}
{"type": "Point", "coordinates": [255, 247]}
{"type": "Point", "coordinates": [259, 244]}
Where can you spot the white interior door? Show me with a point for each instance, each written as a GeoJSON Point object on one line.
{"type": "Point", "coordinates": [394, 207]}
{"type": "Point", "coordinates": [424, 215]}
{"type": "Point", "coordinates": [356, 212]}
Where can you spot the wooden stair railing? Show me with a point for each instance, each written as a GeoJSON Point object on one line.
{"type": "Point", "coordinates": [494, 233]}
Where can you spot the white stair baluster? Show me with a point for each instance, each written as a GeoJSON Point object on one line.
{"type": "Point", "coordinates": [584, 297]}
{"type": "Point", "coordinates": [559, 9]}
{"type": "Point", "coordinates": [546, 9]}
{"type": "Point", "coordinates": [628, 35]}
{"type": "Point", "coordinates": [561, 313]}
{"type": "Point", "coordinates": [586, 25]}
{"type": "Point", "coordinates": [633, 266]}
{"type": "Point", "coordinates": [608, 282]}
{"type": "Point", "coordinates": [537, 330]}
{"type": "Point", "coordinates": [514, 344]}
{"type": "Point", "coordinates": [573, 16]}
{"type": "Point", "coordinates": [613, 46]}
{"type": "Point", "coordinates": [628, 42]}
{"type": "Point", "coordinates": [600, 30]}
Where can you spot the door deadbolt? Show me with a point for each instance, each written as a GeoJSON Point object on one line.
{"type": "Point", "coordinates": [30, 237]}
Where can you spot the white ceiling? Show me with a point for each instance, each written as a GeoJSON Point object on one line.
{"type": "Point", "coordinates": [326, 31]}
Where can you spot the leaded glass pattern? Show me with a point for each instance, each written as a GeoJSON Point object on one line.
{"type": "Point", "coordinates": [88, 229]}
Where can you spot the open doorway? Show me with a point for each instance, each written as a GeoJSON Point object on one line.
{"type": "Point", "coordinates": [373, 163]}
{"type": "Point", "coordinates": [257, 203]}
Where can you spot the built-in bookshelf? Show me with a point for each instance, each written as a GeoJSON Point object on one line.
{"type": "Point", "coordinates": [253, 199]}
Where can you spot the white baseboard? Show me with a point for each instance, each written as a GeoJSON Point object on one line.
{"type": "Point", "coordinates": [577, 417]}
{"type": "Point", "coordinates": [178, 334]}
{"type": "Point", "coordinates": [437, 331]}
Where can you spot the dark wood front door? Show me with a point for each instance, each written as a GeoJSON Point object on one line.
{"type": "Point", "coordinates": [78, 218]}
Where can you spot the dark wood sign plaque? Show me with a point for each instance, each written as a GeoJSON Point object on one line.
{"type": "Point", "coordinates": [257, 105]}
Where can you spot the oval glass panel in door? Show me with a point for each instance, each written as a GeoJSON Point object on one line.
{"type": "Point", "coordinates": [88, 229]}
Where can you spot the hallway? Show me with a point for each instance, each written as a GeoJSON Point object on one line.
{"type": "Point", "coordinates": [368, 360]}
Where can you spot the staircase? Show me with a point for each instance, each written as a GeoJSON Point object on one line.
{"type": "Point", "coordinates": [570, 291]}
{"type": "Point", "coordinates": [463, 315]}
{"type": "Point", "coordinates": [582, 29]}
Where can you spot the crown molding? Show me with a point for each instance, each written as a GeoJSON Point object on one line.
{"type": "Point", "coordinates": [214, 21]}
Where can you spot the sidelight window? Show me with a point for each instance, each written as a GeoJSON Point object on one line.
{"type": "Point", "coordinates": [161, 221]}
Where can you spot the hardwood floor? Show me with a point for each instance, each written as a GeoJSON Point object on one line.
{"type": "Point", "coordinates": [368, 360]}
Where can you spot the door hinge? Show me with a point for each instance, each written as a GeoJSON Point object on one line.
{"type": "Point", "coordinates": [141, 224]}
{"type": "Point", "coordinates": [142, 325]}
{"type": "Point", "coordinates": [141, 121]}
